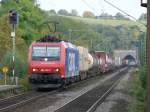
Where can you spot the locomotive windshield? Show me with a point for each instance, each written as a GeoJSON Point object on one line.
{"type": "Point", "coordinates": [46, 52]}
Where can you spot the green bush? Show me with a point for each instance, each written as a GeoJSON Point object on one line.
{"type": "Point", "coordinates": [139, 91]}
{"type": "Point", "coordinates": [20, 65]}
{"type": "Point", "coordinates": [143, 77]}
{"type": "Point", "coordinates": [24, 83]}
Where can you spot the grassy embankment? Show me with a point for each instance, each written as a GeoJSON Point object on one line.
{"type": "Point", "coordinates": [138, 91]}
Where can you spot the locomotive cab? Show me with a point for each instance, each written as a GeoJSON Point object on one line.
{"type": "Point", "coordinates": [51, 63]}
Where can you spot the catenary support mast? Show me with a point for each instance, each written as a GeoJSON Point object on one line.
{"type": "Point", "coordinates": [148, 55]}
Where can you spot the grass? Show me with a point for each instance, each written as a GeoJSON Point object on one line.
{"type": "Point", "coordinates": [25, 84]}
{"type": "Point", "coordinates": [138, 94]}
{"type": "Point", "coordinates": [110, 22]}
{"type": "Point", "coordinates": [2, 81]}
{"type": "Point", "coordinates": [22, 81]}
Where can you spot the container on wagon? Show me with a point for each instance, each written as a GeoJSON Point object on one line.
{"type": "Point", "coordinates": [85, 59]}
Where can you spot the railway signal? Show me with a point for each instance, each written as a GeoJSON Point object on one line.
{"type": "Point", "coordinates": [13, 17]}
{"type": "Point", "coordinates": [13, 20]}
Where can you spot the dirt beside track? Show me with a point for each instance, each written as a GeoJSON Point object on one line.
{"type": "Point", "coordinates": [120, 99]}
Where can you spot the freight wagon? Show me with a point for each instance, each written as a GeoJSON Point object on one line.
{"type": "Point", "coordinates": [103, 67]}
{"type": "Point", "coordinates": [106, 61]}
{"type": "Point", "coordinates": [84, 61]}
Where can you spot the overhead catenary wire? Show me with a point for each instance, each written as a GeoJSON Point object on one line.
{"type": "Point", "coordinates": [90, 7]}
{"type": "Point", "coordinates": [124, 12]}
{"type": "Point", "coordinates": [103, 10]}
{"type": "Point", "coordinates": [120, 10]}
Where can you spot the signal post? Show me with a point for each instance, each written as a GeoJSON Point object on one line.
{"type": "Point", "coordinates": [13, 19]}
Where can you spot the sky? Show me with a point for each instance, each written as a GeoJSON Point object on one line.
{"type": "Point", "coordinates": [132, 7]}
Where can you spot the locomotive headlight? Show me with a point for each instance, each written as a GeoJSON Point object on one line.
{"type": "Point", "coordinates": [57, 69]}
{"type": "Point", "coordinates": [42, 70]}
{"type": "Point", "coordinates": [45, 59]}
{"type": "Point", "coordinates": [62, 76]}
{"type": "Point", "coordinates": [34, 69]}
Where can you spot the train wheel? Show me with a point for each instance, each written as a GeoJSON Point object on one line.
{"type": "Point", "coordinates": [77, 78]}
{"type": "Point", "coordinates": [63, 85]}
{"type": "Point", "coordinates": [85, 75]}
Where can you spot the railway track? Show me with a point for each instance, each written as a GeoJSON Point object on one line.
{"type": "Point", "coordinates": [90, 100]}
{"type": "Point", "coordinates": [12, 102]}
{"type": "Point", "coordinates": [18, 100]}
{"type": "Point", "coordinates": [15, 102]}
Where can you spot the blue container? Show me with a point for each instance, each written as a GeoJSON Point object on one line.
{"type": "Point", "coordinates": [72, 61]}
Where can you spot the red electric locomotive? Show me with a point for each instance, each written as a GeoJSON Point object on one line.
{"type": "Point", "coordinates": [50, 64]}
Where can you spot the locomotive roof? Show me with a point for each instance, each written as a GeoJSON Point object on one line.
{"type": "Point", "coordinates": [49, 38]}
{"type": "Point", "coordinates": [101, 51]}
{"type": "Point", "coordinates": [53, 39]}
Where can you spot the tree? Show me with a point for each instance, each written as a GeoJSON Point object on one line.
{"type": "Point", "coordinates": [121, 16]}
{"type": "Point", "coordinates": [143, 17]}
{"type": "Point", "coordinates": [88, 14]}
{"type": "Point", "coordinates": [74, 12]}
{"type": "Point", "coordinates": [52, 12]}
{"type": "Point", "coordinates": [106, 16]}
{"type": "Point", "coordinates": [63, 12]}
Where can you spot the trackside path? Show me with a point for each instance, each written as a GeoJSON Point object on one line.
{"type": "Point", "coordinates": [120, 99]}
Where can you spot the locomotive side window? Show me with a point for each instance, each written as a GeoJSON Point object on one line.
{"type": "Point", "coordinates": [46, 52]}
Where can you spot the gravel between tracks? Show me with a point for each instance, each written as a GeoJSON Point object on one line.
{"type": "Point", "coordinates": [73, 93]}
{"type": "Point", "coordinates": [119, 99]}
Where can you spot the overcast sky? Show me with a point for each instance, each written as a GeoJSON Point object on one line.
{"type": "Point", "coordinates": [96, 6]}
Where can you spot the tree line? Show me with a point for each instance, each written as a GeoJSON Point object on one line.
{"type": "Point", "coordinates": [90, 14]}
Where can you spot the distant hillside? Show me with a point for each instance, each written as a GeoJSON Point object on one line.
{"type": "Point", "coordinates": [111, 22]}
{"type": "Point", "coordinates": [115, 33]}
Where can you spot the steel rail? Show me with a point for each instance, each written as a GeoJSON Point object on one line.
{"type": "Point", "coordinates": [102, 98]}
{"type": "Point", "coordinates": [18, 102]}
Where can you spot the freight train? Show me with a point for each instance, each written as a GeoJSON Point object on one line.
{"type": "Point", "coordinates": [54, 63]}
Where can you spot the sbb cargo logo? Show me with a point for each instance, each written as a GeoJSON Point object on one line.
{"type": "Point", "coordinates": [72, 63]}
